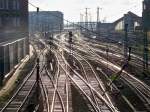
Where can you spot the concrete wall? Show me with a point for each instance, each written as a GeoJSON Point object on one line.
{"type": "Point", "coordinates": [149, 33]}
{"type": "Point", "coordinates": [4, 59]}
{"type": "Point", "coordinates": [11, 54]}
{"type": "Point", "coordinates": [19, 51]}
{"type": "Point", "coordinates": [119, 26]}
{"type": "Point", "coordinates": [26, 46]}
{"type": "Point", "coordinates": [15, 47]}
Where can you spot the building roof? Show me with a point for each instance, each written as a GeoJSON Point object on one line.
{"type": "Point", "coordinates": [46, 12]}
{"type": "Point", "coordinates": [131, 14]}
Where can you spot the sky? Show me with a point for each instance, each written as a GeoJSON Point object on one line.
{"type": "Point", "coordinates": [111, 10]}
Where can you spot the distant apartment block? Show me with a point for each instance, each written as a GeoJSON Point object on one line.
{"type": "Point", "coordinates": [46, 21]}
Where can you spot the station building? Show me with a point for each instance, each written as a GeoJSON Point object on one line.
{"type": "Point", "coordinates": [14, 41]}
{"type": "Point", "coordinates": [133, 21]}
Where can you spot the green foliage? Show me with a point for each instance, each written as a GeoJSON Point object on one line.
{"type": "Point", "coordinates": [113, 77]}
{"type": "Point", "coordinates": [26, 69]}
{"type": "Point", "coordinates": [146, 72]}
{"type": "Point", "coordinates": [5, 13]}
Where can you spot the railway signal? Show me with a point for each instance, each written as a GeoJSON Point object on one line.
{"type": "Point", "coordinates": [37, 80]}
{"type": "Point", "coordinates": [1, 80]}
{"type": "Point", "coordinates": [50, 44]}
{"type": "Point", "coordinates": [70, 37]}
{"type": "Point", "coordinates": [126, 42]}
{"type": "Point", "coordinates": [71, 46]}
{"type": "Point", "coordinates": [114, 77]}
{"type": "Point", "coordinates": [146, 27]}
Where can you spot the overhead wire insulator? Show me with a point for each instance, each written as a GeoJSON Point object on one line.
{"type": "Point", "coordinates": [38, 9]}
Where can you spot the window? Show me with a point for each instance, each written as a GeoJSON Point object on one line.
{"type": "Point", "coordinates": [2, 4]}
{"type": "Point", "coordinates": [1, 22]}
{"type": "Point", "coordinates": [15, 4]}
{"type": "Point", "coordinates": [7, 4]}
{"type": "Point", "coordinates": [144, 6]}
{"type": "Point", "coordinates": [16, 21]}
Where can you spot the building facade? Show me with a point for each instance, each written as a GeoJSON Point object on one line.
{"type": "Point", "coordinates": [46, 21]}
{"type": "Point", "coordinates": [131, 19]}
{"type": "Point", "coordinates": [13, 19]}
{"type": "Point", "coordinates": [104, 27]}
{"type": "Point", "coordinates": [14, 41]}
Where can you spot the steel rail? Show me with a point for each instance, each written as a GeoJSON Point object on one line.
{"type": "Point", "coordinates": [21, 86]}
{"type": "Point", "coordinates": [45, 94]}
{"type": "Point", "coordinates": [19, 89]}
{"type": "Point", "coordinates": [86, 77]}
{"type": "Point", "coordinates": [27, 96]}
{"type": "Point", "coordinates": [126, 100]}
{"type": "Point", "coordinates": [127, 77]}
{"type": "Point", "coordinates": [99, 82]}
{"type": "Point", "coordinates": [98, 95]}
{"type": "Point", "coordinates": [54, 85]}
{"type": "Point", "coordinates": [55, 92]}
{"type": "Point", "coordinates": [89, 99]}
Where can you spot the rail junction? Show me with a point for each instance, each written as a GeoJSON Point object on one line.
{"type": "Point", "coordinates": [73, 74]}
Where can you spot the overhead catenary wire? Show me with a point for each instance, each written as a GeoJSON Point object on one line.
{"type": "Point", "coordinates": [68, 22]}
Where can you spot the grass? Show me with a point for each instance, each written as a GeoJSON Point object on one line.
{"type": "Point", "coordinates": [27, 67]}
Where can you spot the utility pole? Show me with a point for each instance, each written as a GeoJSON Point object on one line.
{"type": "Point", "coordinates": [1, 79]}
{"type": "Point", "coordinates": [145, 54]}
{"type": "Point", "coordinates": [98, 29]}
{"type": "Point", "coordinates": [70, 55]}
{"type": "Point", "coordinates": [38, 70]}
{"type": "Point", "coordinates": [91, 24]}
{"type": "Point", "coordinates": [37, 80]}
{"type": "Point", "coordinates": [82, 22]}
{"type": "Point", "coordinates": [37, 19]}
{"type": "Point", "coordinates": [146, 27]}
{"type": "Point", "coordinates": [98, 19]}
{"type": "Point", "coordinates": [67, 25]}
{"type": "Point", "coordinates": [86, 18]}
{"type": "Point", "coordinates": [126, 42]}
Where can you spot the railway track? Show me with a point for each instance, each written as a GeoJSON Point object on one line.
{"type": "Point", "coordinates": [138, 86]}
{"type": "Point", "coordinates": [59, 92]}
{"type": "Point", "coordinates": [18, 100]}
{"type": "Point", "coordinates": [114, 87]}
{"type": "Point", "coordinates": [82, 83]}
{"type": "Point", "coordinates": [93, 79]}
{"type": "Point", "coordinates": [17, 103]}
{"type": "Point", "coordinates": [59, 57]}
{"type": "Point", "coordinates": [46, 105]}
{"type": "Point", "coordinates": [54, 98]}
